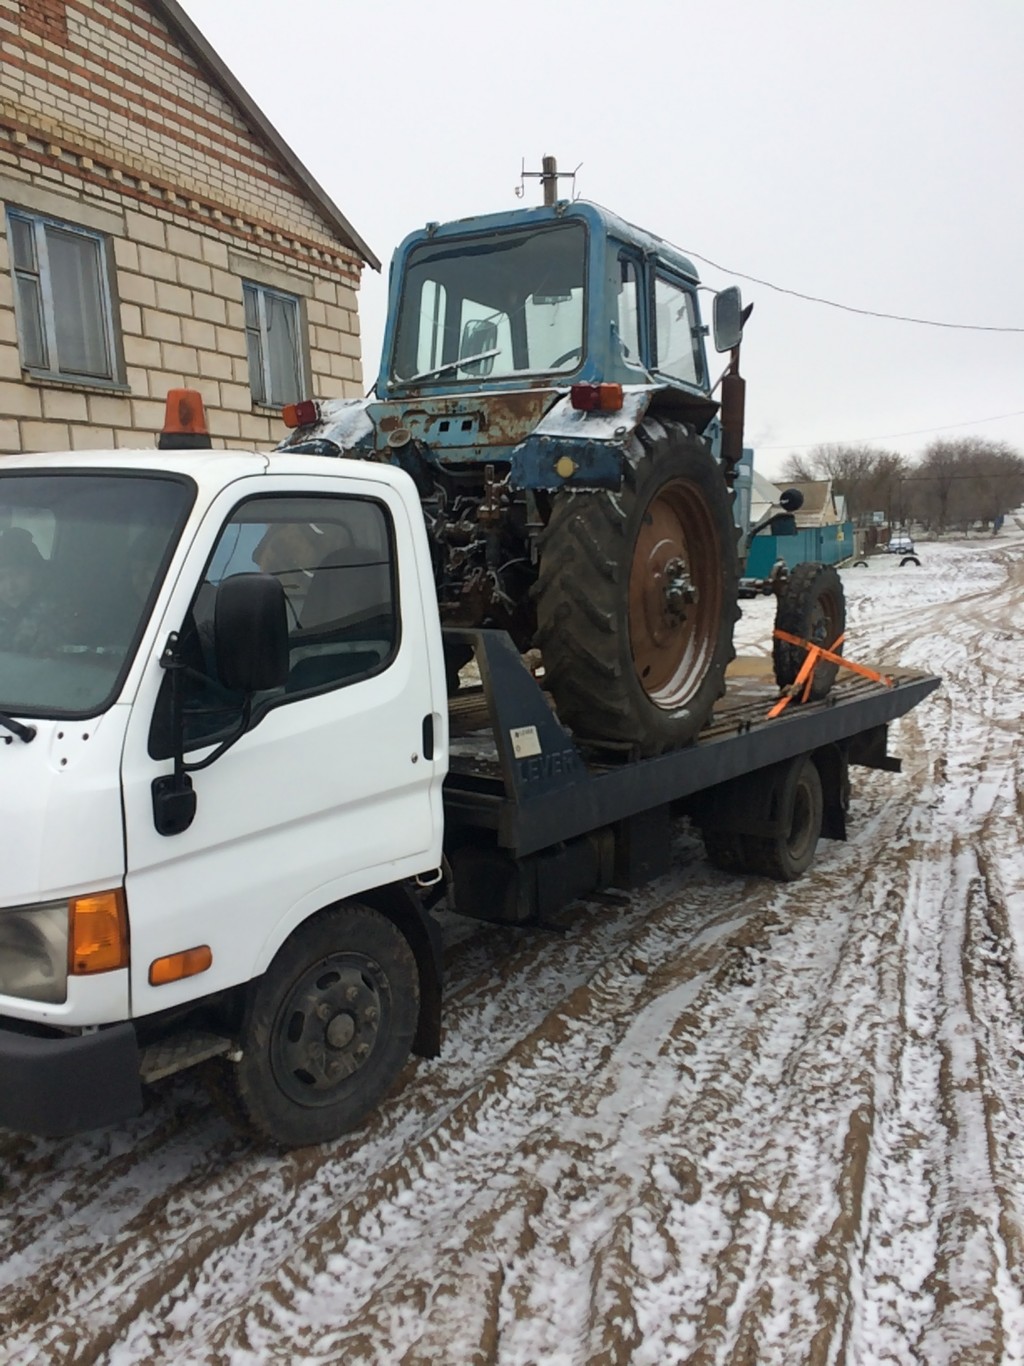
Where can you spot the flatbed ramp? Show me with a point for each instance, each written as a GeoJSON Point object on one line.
{"type": "Point", "coordinates": [516, 770]}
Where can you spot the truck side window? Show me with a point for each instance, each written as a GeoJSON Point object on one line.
{"type": "Point", "coordinates": [679, 348]}
{"type": "Point", "coordinates": [334, 557]}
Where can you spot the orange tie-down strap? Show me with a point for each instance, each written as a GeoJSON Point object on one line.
{"type": "Point", "coordinates": [815, 654]}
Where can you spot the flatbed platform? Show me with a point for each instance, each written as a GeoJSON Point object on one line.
{"type": "Point", "coordinates": [516, 770]}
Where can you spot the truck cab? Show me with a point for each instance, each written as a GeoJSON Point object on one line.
{"type": "Point", "coordinates": [146, 868]}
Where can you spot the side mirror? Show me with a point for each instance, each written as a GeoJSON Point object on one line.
{"type": "Point", "coordinates": [250, 623]}
{"type": "Point", "coordinates": [728, 319]}
{"type": "Point", "coordinates": [478, 336]}
{"type": "Point", "coordinates": [782, 524]}
{"type": "Point", "coordinates": [791, 499]}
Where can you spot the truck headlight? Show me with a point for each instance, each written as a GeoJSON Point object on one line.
{"type": "Point", "coordinates": [34, 952]}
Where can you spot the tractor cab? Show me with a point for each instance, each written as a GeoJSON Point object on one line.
{"type": "Point", "coordinates": [498, 322]}
{"type": "Point", "coordinates": [546, 384]}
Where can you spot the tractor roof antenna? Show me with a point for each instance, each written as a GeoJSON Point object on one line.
{"type": "Point", "coordinates": [548, 177]}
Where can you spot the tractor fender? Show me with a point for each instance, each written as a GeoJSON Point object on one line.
{"type": "Point", "coordinates": [344, 423]}
{"type": "Point", "coordinates": [572, 448]}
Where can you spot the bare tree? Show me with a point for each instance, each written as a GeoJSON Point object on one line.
{"type": "Point", "coordinates": [868, 479]}
{"type": "Point", "coordinates": [965, 480]}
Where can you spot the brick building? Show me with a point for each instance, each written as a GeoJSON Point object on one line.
{"type": "Point", "coordinates": [155, 231]}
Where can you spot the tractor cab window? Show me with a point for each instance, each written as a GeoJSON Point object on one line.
{"type": "Point", "coordinates": [495, 306]}
{"type": "Point", "coordinates": [628, 320]}
{"type": "Point", "coordinates": [680, 353]}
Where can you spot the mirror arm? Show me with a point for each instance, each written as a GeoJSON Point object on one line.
{"type": "Point", "coordinates": [224, 745]}
{"type": "Point", "coordinates": [174, 800]}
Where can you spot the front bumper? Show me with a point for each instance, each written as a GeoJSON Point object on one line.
{"type": "Point", "coordinates": [54, 1085]}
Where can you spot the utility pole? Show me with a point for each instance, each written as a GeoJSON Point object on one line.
{"type": "Point", "coordinates": [549, 180]}
{"type": "Point", "coordinates": [548, 177]}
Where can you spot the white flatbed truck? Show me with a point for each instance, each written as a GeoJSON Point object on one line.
{"type": "Point", "coordinates": [234, 788]}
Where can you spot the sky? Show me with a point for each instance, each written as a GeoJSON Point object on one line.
{"type": "Point", "coordinates": [866, 153]}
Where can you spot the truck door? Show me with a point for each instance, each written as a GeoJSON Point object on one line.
{"type": "Point", "coordinates": [333, 788]}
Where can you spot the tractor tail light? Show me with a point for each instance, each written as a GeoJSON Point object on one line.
{"type": "Point", "coordinates": [596, 398]}
{"type": "Point", "coordinates": [302, 414]}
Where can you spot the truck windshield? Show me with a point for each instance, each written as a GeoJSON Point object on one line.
{"type": "Point", "coordinates": [493, 306]}
{"type": "Point", "coordinates": [81, 559]}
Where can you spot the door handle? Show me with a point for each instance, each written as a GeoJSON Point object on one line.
{"type": "Point", "coordinates": [428, 736]}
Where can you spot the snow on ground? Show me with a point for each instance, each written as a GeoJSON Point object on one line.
{"type": "Point", "coordinates": [723, 1121]}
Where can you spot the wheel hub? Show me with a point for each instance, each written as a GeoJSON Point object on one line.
{"type": "Point", "coordinates": [327, 1027]}
{"type": "Point", "coordinates": [672, 599]}
{"type": "Point", "coordinates": [341, 1031]}
{"type": "Point", "coordinates": [680, 590]}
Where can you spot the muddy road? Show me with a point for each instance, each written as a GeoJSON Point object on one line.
{"type": "Point", "coordinates": [726, 1121]}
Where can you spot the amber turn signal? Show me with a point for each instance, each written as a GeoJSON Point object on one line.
{"type": "Point", "coordinates": [99, 933]}
{"type": "Point", "coordinates": [188, 963]}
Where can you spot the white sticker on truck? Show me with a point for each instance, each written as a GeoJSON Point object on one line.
{"type": "Point", "coordinates": [525, 741]}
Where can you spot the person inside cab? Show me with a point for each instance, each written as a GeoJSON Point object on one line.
{"type": "Point", "coordinates": [23, 608]}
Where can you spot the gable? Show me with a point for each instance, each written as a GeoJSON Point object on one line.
{"type": "Point", "coordinates": [136, 79]}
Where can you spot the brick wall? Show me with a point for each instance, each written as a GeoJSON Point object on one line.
{"type": "Point", "coordinates": [108, 123]}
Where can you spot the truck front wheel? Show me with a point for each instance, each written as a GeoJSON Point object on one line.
{"type": "Point", "coordinates": [637, 597]}
{"type": "Point", "coordinates": [329, 1028]}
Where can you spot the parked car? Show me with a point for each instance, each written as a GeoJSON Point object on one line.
{"type": "Point", "coordinates": [900, 543]}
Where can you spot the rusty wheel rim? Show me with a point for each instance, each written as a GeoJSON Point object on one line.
{"type": "Point", "coordinates": [825, 622]}
{"type": "Point", "coordinates": [675, 595]}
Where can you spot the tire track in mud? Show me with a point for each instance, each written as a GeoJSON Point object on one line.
{"type": "Point", "coordinates": [555, 1160]}
{"type": "Point", "coordinates": [928, 1147]}
{"type": "Point", "coordinates": [723, 1124]}
{"type": "Point", "coordinates": [256, 1187]}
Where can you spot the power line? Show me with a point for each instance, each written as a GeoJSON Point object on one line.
{"type": "Point", "coordinates": [891, 436]}
{"type": "Point", "coordinates": [849, 308]}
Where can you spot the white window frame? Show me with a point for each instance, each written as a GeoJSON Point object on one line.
{"type": "Point", "coordinates": [260, 377]}
{"type": "Point", "coordinates": [51, 367]}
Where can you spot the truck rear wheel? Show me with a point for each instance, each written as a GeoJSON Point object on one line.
{"type": "Point", "coordinates": [637, 597]}
{"type": "Point", "coordinates": [812, 606]}
{"type": "Point", "coordinates": [330, 1026]}
{"type": "Point", "coordinates": [796, 801]}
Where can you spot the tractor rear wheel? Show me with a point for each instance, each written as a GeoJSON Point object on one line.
{"type": "Point", "coordinates": [637, 597]}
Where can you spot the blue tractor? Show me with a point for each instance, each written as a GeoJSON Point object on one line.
{"type": "Point", "coordinates": [545, 382]}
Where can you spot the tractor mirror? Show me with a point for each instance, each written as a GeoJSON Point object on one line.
{"type": "Point", "coordinates": [728, 317]}
{"type": "Point", "coordinates": [791, 499]}
{"type": "Point", "coordinates": [479, 335]}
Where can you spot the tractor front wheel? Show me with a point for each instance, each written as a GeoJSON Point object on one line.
{"type": "Point", "coordinates": [812, 606]}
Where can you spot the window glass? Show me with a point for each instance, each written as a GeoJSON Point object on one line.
{"type": "Point", "coordinates": [333, 557]}
{"type": "Point", "coordinates": [63, 298]}
{"type": "Point", "coordinates": [431, 321]}
{"type": "Point", "coordinates": [273, 340]}
{"type": "Point", "coordinates": [679, 352]}
{"type": "Point", "coordinates": [513, 300]}
{"type": "Point", "coordinates": [31, 334]}
{"type": "Point", "coordinates": [81, 558]}
{"type": "Point", "coordinates": [23, 250]}
{"type": "Point", "coordinates": [629, 310]}
{"type": "Point", "coordinates": [79, 321]}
